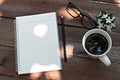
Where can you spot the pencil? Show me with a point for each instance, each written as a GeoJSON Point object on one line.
{"type": "Point", "coordinates": [63, 38]}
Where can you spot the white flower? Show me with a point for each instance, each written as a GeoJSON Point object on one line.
{"type": "Point", "coordinates": [105, 21]}
{"type": "Point", "coordinates": [113, 24]}
{"type": "Point", "coordinates": [108, 28]}
{"type": "Point", "coordinates": [105, 16]}
{"type": "Point", "coordinates": [100, 14]}
{"type": "Point", "coordinates": [113, 18]}
{"type": "Point", "coordinates": [109, 20]}
{"type": "Point", "coordinates": [100, 25]}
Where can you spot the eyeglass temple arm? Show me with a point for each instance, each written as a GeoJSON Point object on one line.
{"type": "Point", "coordinates": [83, 23]}
{"type": "Point", "coordinates": [93, 22]}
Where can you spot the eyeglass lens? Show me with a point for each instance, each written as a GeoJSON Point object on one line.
{"type": "Point", "coordinates": [84, 17]}
{"type": "Point", "coordinates": [74, 12]}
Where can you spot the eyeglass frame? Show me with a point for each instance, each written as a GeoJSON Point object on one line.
{"type": "Point", "coordinates": [82, 13]}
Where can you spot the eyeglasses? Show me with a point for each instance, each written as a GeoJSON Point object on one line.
{"type": "Point", "coordinates": [86, 20]}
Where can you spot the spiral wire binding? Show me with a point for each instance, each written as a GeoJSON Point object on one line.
{"type": "Point", "coordinates": [16, 31]}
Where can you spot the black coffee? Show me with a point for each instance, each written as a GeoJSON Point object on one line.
{"type": "Point", "coordinates": [96, 44]}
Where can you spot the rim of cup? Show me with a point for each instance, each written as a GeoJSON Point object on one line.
{"type": "Point", "coordinates": [100, 31]}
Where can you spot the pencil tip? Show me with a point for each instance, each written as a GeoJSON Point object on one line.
{"type": "Point", "coordinates": [62, 16]}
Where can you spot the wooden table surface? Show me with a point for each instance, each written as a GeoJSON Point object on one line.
{"type": "Point", "coordinates": [79, 65]}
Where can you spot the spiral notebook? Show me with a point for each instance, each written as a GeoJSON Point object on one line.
{"type": "Point", "coordinates": [37, 43]}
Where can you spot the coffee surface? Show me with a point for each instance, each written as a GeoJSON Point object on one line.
{"type": "Point", "coordinates": [96, 44]}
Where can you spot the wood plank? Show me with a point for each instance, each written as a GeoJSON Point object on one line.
{"type": "Point", "coordinates": [3, 77]}
{"type": "Point", "coordinates": [88, 69]}
{"type": "Point", "coordinates": [72, 33]}
{"type": "Point", "coordinates": [78, 63]}
{"type": "Point", "coordinates": [74, 50]}
{"type": "Point", "coordinates": [6, 32]}
{"type": "Point", "coordinates": [109, 1]}
{"type": "Point", "coordinates": [26, 7]}
{"type": "Point", "coordinates": [76, 34]}
{"type": "Point", "coordinates": [97, 7]}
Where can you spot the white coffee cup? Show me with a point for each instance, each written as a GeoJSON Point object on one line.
{"type": "Point", "coordinates": [102, 57]}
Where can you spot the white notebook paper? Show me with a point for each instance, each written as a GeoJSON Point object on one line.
{"type": "Point", "coordinates": [37, 43]}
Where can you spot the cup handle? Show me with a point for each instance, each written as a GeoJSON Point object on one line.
{"type": "Point", "coordinates": [105, 60]}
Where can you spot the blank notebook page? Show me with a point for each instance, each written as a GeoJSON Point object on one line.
{"type": "Point", "coordinates": [37, 43]}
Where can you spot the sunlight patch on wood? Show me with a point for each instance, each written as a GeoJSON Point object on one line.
{"type": "Point", "coordinates": [117, 1]}
{"type": "Point", "coordinates": [62, 12]}
{"type": "Point", "coordinates": [53, 75]}
{"type": "Point", "coordinates": [1, 14]}
{"type": "Point", "coordinates": [35, 76]}
{"type": "Point", "coordinates": [2, 1]}
{"type": "Point", "coordinates": [118, 5]}
{"type": "Point", "coordinates": [69, 51]}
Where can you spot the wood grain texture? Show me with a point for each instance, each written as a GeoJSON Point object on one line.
{"type": "Point", "coordinates": [109, 1]}
{"type": "Point", "coordinates": [27, 7]}
{"type": "Point", "coordinates": [88, 69]}
{"type": "Point", "coordinates": [79, 66]}
{"type": "Point", "coordinates": [76, 34]}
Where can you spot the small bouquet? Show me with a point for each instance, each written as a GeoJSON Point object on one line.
{"type": "Point", "coordinates": [106, 21]}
